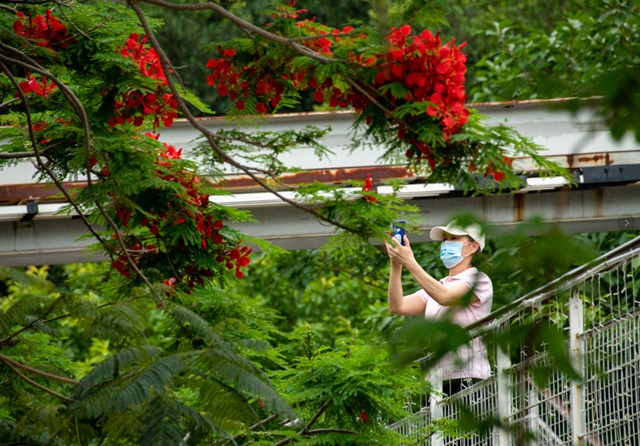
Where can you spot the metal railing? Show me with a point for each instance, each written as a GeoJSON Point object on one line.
{"type": "Point", "coordinates": [597, 309]}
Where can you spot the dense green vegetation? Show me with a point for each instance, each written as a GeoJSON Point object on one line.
{"type": "Point", "coordinates": [179, 339]}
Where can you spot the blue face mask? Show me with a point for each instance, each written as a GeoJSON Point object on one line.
{"type": "Point", "coordinates": [451, 253]}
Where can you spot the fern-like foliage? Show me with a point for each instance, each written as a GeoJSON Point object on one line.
{"type": "Point", "coordinates": [122, 319]}
{"type": "Point", "coordinates": [29, 298]}
{"type": "Point", "coordinates": [223, 406]}
{"type": "Point", "coordinates": [122, 381]}
{"type": "Point", "coordinates": [44, 423]}
{"type": "Point", "coordinates": [162, 424]}
{"type": "Point", "coordinates": [221, 362]}
{"type": "Point", "coordinates": [20, 311]}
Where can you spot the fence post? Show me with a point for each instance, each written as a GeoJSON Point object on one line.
{"type": "Point", "coordinates": [435, 404]}
{"type": "Point", "coordinates": [576, 329]}
{"type": "Point", "coordinates": [504, 396]}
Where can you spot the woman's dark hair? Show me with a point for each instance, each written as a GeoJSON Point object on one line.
{"type": "Point", "coordinates": [475, 254]}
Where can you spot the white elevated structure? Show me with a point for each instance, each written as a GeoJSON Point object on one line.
{"type": "Point", "coordinates": [607, 197]}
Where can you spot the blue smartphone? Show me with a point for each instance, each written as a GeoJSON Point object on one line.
{"type": "Point", "coordinates": [399, 231]}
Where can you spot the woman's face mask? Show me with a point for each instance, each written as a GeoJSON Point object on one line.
{"type": "Point", "coordinates": [451, 252]}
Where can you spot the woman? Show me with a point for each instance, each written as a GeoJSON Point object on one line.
{"type": "Point", "coordinates": [445, 298]}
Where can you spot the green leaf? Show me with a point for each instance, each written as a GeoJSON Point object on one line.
{"type": "Point", "coordinates": [194, 100]}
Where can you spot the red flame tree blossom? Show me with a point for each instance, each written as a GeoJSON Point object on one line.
{"type": "Point", "coordinates": [168, 227]}
{"type": "Point", "coordinates": [409, 94]}
{"type": "Point", "coordinates": [368, 187]}
{"type": "Point", "coordinates": [85, 95]}
{"type": "Point", "coordinates": [43, 30]}
{"type": "Point", "coordinates": [42, 87]}
{"type": "Point", "coordinates": [416, 85]}
{"type": "Point", "coordinates": [135, 105]}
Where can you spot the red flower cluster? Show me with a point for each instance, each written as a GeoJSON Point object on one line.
{"type": "Point", "coordinates": [43, 30]}
{"type": "Point", "coordinates": [338, 97]}
{"type": "Point", "coordinates": [224, 77]}
{"type": "Point", "coordinates": [268, 82]}
{"type": "Point", "coordinates": [208, 228]}
{"type": "Point", "coordinates": [368, 187]}
{"type": "Point", "coordinates": [40, 87]}
{"type": "Point", "coordinates": [229, 81]}
{"type": "Point", "coordinates": [494, 170]}
{"type": "Point", "coordinates": [146, 58]}
{"type": "Point", "coordinates": [429, 73]}
{"type": "Point", "coordinates": [432, 73]}
{"type": "Point", "coordinates": [135, 252]}
{"type": "Point", "coordinates": [190, 208]}
{"type": "Point", "coordinates": [321, 45]}
{"type": "Point", "coordinates": [283, 12]}
{"type": "Point", "coordinates": [236, 258]}
{"type": "Point", "coordinates": [134, 106]}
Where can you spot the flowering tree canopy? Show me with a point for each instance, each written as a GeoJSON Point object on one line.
{"type": "Point", "coordinates": [408, 92]}
{"type": "Point", "coordinates": [86, 91]}
{"type": "Point", "coordinates": [91, 100]}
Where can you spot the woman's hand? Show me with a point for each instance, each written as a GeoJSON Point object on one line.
{"type": "Point", "coordinates": [398, 254]}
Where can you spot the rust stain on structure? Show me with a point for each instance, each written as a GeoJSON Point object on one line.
{"type": "Point", "coordinates": [17, 192]}
{"type": "Point", "coordinates": [598, 203]}
{"type": "Point", "coordinates": [13, 194]}
{"type": "Point", "coordinates": [596, 160]}
{"type": "Point", "coordinates": [325, 176]}
{"type": "Point", "coordinates": [518, 207]}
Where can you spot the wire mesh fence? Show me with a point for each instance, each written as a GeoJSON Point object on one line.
{"type": "Point", "coordinates": [531, 398]}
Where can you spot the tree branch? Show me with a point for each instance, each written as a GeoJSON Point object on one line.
{"type": "Point", "coordinates": [32, 65]}
{"type": "Point", "coordinates": [305, 430]}
{"type": "Point", "coordinates": [9, 8]}
{"type": "Point", "coordinates": [317, 415]}
{"type": "Point", "coordinates": [331, 431]}
{"type": "Point", "coordinates": [263, 422]}
{"type": "Point", "coordinates": [32, 323]}
{"type": "Point", "coordinates": [257, 425]}
{"type": "Point", "coordinates": [13, 363]}
{"type": "Point", "coordinates": [9, 102]}
{"type": "Point", "coordinates": [37, 153]}
{"type": "Point", "coordinates": [320, 36]}
{"type": "Point", "coordinates": [123, 246]}
{"type": "Point", "coordinates": [17, 155]}
{"type": "Point", "coordinates": [166, 66]}
{"type": "Point", "coordinates": [291, 42]}
{"type": "Point", "coordinates": [35, 384]}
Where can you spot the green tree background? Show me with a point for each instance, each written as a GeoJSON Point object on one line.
{"type": "Point", "coordinates": [314, 340]}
